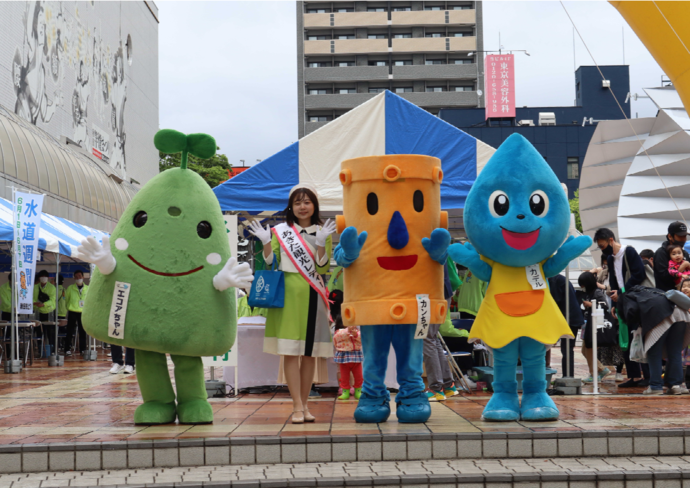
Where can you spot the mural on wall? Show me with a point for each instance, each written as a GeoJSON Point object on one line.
{"type": "Point", "coordinates": [29, 69]}
{"type": "Point", "coordinates": [57, 47]}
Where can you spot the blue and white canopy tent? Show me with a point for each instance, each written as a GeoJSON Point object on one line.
{"type": "Point", "coordinates": [56, 235]}
{"type": "Point", "coordinates": [386, 124]}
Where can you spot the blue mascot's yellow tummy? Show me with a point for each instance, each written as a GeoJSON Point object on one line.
{"type": "Point", "coordinates": [513, 309]}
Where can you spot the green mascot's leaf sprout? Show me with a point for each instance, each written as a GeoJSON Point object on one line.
{"type": "Point", "coordinates": [170, 141]}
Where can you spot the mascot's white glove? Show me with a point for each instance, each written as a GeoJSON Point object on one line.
{"type": "Point", "coordinates": [92, 252]}
{"type": "Point", "coordinates": [232, 274]}
{"type": "Point", "coordinates": [258, 231]}
{"type": "Point", "coordinates": [323, 233]}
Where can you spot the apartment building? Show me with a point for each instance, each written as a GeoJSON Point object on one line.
{"type": "Point", "coordinates": [428, 52]}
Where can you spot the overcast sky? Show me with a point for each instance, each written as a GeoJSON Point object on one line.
{"type": "Point", "coordinates": [229, 68]}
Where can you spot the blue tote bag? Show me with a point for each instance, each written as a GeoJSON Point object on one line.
{"type": "Point", "coordinates": [268, 288]}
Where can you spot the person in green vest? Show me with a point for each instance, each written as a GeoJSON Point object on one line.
{"type": "Point", "coordinates": [75, 296]}
{"type": "Point", "coordinates": [470, 294]}
{"type": "Point", "coordinates": [44, 301]}
{"type": "Point", "coordinates": [438, 373]}
{"type": "Point", "coordinates": [62, 302]}
{"type": "Point", "coordinates": [243, 308]}
{"type": "Point", "coordinates": [336, 280]}
{"type": "Point", "coordinates": [6, 299]}
{"type": "Point", "coordinates": [455, 281]}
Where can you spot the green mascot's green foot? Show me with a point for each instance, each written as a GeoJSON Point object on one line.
{"type": "Point", "coordinates": [153, 412]}
{"type": "Point", "coordinates": [195, 412]}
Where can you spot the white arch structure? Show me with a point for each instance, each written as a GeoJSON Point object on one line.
{"type": "Point", "coordinates": [620, 188]}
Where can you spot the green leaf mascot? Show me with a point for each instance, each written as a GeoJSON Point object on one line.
{"type": "Point", "coordinates": [166, 285]}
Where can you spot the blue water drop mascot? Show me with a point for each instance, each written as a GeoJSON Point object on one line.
{"type": "Point", "coordinates": [517, 218]}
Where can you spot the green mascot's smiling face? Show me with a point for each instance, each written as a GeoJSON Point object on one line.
{"type": "Point", "coordinates": [169, 244]}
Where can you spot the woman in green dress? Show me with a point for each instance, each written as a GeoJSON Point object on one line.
{"type": "Point", "coordinates": [299, 331]}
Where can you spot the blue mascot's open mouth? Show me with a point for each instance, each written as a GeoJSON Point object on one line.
{"type": "Point", "coordinates": [520, 240]}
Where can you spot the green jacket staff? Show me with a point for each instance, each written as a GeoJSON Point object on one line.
{"type": "Point", "coordinates": [6, 297]}
{"type": "Point", "coordinates": [74, 297]}
{"type": "Point", "coordinates": [47, 306]}
{"type": "Point", "coordinates": [62, 301]}
{"type": "Point", "coordinates": [74, 302]}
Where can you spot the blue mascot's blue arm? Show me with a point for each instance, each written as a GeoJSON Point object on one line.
{"type": "Point", "coordinates": [437, 246]}
{"type": "Point", "coordinates": [573, 247]}
{"type": "Point", "coordinates": [468, 257]}
{"type": "Point", "coordinates": [349, 247]}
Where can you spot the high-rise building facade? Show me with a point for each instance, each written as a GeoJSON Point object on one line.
{"type": "Point", "coordinates": [427, 52]}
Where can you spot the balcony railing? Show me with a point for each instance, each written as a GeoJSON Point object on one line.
{"type": "Point", "coordinates": [346, 19]}
{"type": "Point", "coordinates": [433, 17]}
{"type": "Point", "coordinates": [336, 101]}
{"type": "Point", "coordinates": [346, 46]}
{"type": "Point", "coordinates": [438, 72]}
{"type": "Point", "coordinates": [434, 44]}
{"type": "Point", "coordinates": [349, 73]}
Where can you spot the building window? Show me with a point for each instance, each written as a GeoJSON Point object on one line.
{"type": "Point", "coordinates": [402, 36]}
{"type": "Point", "coordinates": [378, 63]}
{"type": "Point", "coordinates": [463, 88]}
{"type": "Point", "coordinates": [433, 34]}
{"type": "Point", "coordinates": [319, 91]}
{"type": "Point", "coordinates": [318, 118]}
{"type": "Point", "coordinates": [462, 61]}
{"type": "Point", "coordinates": [404, 89]}
{"type": "Point", "coordinates": [344, 9]}
{"type": "Point", "coordinates": [347, 90]}
{"type": "Point", "coordinates": [317, 11]}
{"type": "Point", "coordinates": [434, 61]}
{"type": "Point", "coordinates": [435, 88]}
{"type": "Point", "coordinates": [402, 62]}
{"type": "Point", "coordinates": [377, 90]}
{"type": "Point", "coordinates": [343, 64]}
{"type": "Point", "coordinates": [433, 7]}
{"type": "Point", "coordinates": [345, 36]}
{"type": "Point", "coordinates": [376, 9]}
{"type": "Point", "coordinates": [573, 168]}
{"type": "Point", "coordinates": [376, 36]}
{"type": "Point", "coordinates": [402, 9]}
{"type": "Point", "coordinates": [318, 38]}
{"type": "Point", "coordinates": [460, 7]}
{"type": "Point", "coordinates": [318, 65]}
{"type": "Point", "coordinates": [460, 34]}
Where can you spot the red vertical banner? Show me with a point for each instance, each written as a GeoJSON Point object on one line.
{"type": "Point", "coordinates": [500, 85]}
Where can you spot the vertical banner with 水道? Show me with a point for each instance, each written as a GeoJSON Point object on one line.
{"type": "Point", "coordinates": [27, 223]}
{"type": "Point", "coordinates": [499, 70]}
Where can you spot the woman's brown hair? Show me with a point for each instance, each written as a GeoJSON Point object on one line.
{"type": "Point", "coordinates": [299, 194]}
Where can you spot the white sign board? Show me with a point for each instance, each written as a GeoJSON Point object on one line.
{"type": "Point", "coordinates": [27, 217]}
{"type": "Point", "coordinates": [227, 359]}
{"type": "Point", "coordinates": [118, 310]}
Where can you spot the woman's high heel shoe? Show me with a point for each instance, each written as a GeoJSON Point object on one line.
{"type": "Point", "coordinates": [308, 417]}
{"type": "Point", "coordinates": [297, 417]}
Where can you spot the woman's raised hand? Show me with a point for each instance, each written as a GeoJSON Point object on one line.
{"type": "Point", "coordinates": [257, 230]}
{"type": "Point", "coordinates": [323, 233]}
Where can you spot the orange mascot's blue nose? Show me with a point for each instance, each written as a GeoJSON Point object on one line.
{"type": "Point", "coordinates": [398, 237]}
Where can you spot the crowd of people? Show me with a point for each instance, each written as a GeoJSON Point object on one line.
{"type": "Point", "coordinates": [644, 331]}
{"type": "Point", "coordinates": [69, 304]}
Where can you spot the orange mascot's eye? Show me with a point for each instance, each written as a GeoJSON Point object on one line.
{"type": "Point", "coordinates": [372, 203]}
